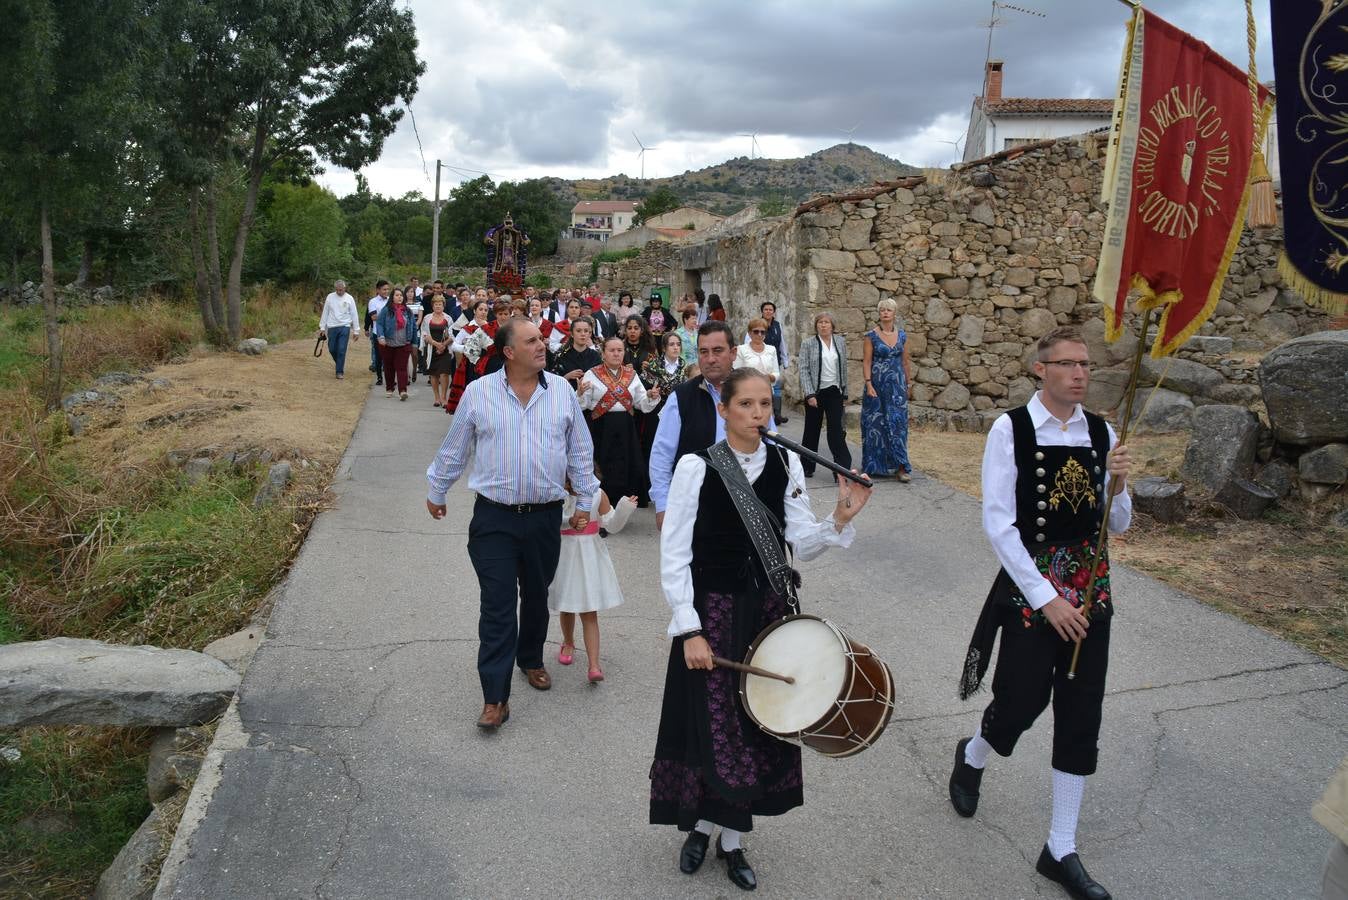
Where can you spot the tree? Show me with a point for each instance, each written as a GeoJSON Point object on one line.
{"type": "Point", "coordinates": [660, 200]}
{"type": "Point", "coordinates": [303, 232]}
{"type": "Point", "coordinates": [372, 248]}
{"type": "Point", "coordinates": [270, 82]}
{"type": "Point", "coordinates": [774, 205]}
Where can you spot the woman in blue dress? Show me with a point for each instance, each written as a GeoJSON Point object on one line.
{"type": "Point", "coordinates": [884, 403]}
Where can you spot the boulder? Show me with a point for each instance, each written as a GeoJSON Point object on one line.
{"type": "Point", "coordinates": [235, 650]}
{"type": "Point", "coordinates": [1160, 411]}
{"type": "Point", "coordinates": [1222, 446]}
{"type": "Point", "coordinates": [856, 234]}
{"type": "Point", "coordinates": [1278, 476]}
{"type": "Point", "coordinates": [1037, 322]}
{"type": "Point", "coordinates": [170, 769]}
{"type": "Point", "coordinates": [134, 873]}
{"type": "Point", "coordinates": [954, 396]}
{"type": "Point", "coordinates": [1245, 498]}
{"type": "Point", "coordinates": [197, 469]}
{"type": "Point", "coordinates": [970, 331]}
{"type": "Point", "coordinates": [1019, 391]}
{"type": "Point", "coordinates": [1161, 499]}
{"type": "Point", "coordinates": [1183, 375]}
{"type": "Point", "coordinates": [68, 681]}
{"type": "Point", "coordinates": [1324, 465]}
{"type": "Point", "coordinates": [278, 476]}
{"type": "Point", "coordinates": [1106, 387]}
{"type": "Point", "coordinates": [1219, 346]}
{"type": "Point", "coordinates": [1305, 385]}
{"type": "Point", "coordinates": [252, 346]}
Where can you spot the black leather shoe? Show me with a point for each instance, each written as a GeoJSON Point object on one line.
{"type": "Point", "coordinates": [737, 868]}
{"type": "Point", "coordinates": [964, 783]}
{"type": "Point", "coordinates": [693, 852]}
{"type": "Point", "coordinates": [1071, 874]}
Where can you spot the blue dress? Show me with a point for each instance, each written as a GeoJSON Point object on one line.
{"type": "Point", "coordinates": [884, 418]}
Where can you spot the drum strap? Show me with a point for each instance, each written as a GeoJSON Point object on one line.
{"type": "Point", "coordinates": [759, 522]}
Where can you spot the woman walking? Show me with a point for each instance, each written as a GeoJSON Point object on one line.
{"type": "Point", "coordinates": [463, 366]}
{"type": "Point", "coordinates": [884, 404]}
{"type": "Point", "coordinates": [613, 392]}
{"type": "Point", "coordinates": [577, 354]}
{"type": "Point", "coordinates": [397, 333]}
{"type": "Point", "coordinates": [823, 381]}
{"type": "Point", "coordinates": [436, 339]}
{"type": "Point", "coordinates": [758, 353]}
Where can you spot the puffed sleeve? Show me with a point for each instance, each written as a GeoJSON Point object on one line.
{"type": "Point", "coordinates": [807, 535]}
{"type": "Point", "coordinates": [676, 544]}
{"type": "Point", "coordinates": [591, 391]}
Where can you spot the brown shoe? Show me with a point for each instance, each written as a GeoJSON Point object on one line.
{"type": "Point", "coordinates": [494, 715]}
{"type": "Point", "coordinates": [539, 679]}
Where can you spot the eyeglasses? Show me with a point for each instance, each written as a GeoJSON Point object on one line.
{"type": "Point", "coordinates": [758, 331]}
{"type": "Point", "coordinates": [1069, 365]}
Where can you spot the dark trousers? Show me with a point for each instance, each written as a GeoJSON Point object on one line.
{"type": "Point", "coordinates": [1032, 664]}
{"type": "Point", "coordinates": [829, 406]}
{"type": "Point", "coordinates": [376, 358]}
{"type": "Point", "coordinates": [515, 556]}
{"type": "Point", "coordinates": [338, 338]}
{"type": "Point", "coordinates": [395, 366]}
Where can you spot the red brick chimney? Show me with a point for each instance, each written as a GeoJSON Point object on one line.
{"type": "Point", "coordinates": [992, 80]}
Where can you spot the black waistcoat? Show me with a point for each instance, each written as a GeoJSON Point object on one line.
{"type": "Point", "coordinates": [697, 418]}
{"type": "Point", "coordinates": [723, 554]}
{"type": "Point", "coordinates": [1060, 491]}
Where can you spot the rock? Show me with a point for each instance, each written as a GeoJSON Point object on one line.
{"type": "Point", "coordinates": [1305, 385]}
{"type": "Point", "coordinates": [955, 288]}
{"type": "Point", "coordinates": [1162, 411]}
{"type": "Point", "coordinates": [1222, 446]}
{"type": "Point", "coordinates": [1025, 246]}
{"type": "Point", "coordinates": [1325, 465]}
{"type": "Point", "coordinates": [836, 260]}
{"type": "Point", "coordinates": [1161, 499]}
{"type": "Point", "coordinates": [983, 214]}
{"type": "Point", "coordinates": [235, 650]}
{"type": "Point", "coordinates": [178, 458]}
{"type": "Point", "coordinates": [79, 398]}
{"type": "Point", "coordinates": [1071, 275]}
{"type": "Point", "coordinates": [955, 396]}
{"type": "Point", "coordinates": [1219, 346]}
{"type": "Point", "coordinates": [1339, 519]}
{"type": "Point", "coordinates": [938, 312]}
{"type": "Point", "coordinates": [117, 379]}
{"type": "Point", "coordinates": [1104, 353]}
{"type": "Point", "coordinates": [135, 870]}
{"type": "Point", "coordinates": [170, 769]}
{"type": "Point", "coordinates": [67, 681]}
{"type": "Point", "coordinates": [856, 234]}
{"type": "Point", "coordinates": [197, 469]}
{"type": "Point", "coordinates": [983, 178]}
{"type": "Point", "coordinates": [160, 384]}
{"type": "Point", "coordinates": [76, 424]}
{"type": "Point", "coordinates": [970, 331]}
{"type": "Point", "coordinates": [1019, 391]}
{"type": "Point", "coordinates": [1245, 498]}
{"type": "Point", "coordinates": [1278, 476]}
{"type": "Point", "coordinates": [1238, 394]}
{"type": "Point", "coordinates": [864, 296]}
{"type": "Point", "coordinates": [252, 346]}
{"type": "Point", "coordinates": [1019, 276]}
{"type": "Point", "coordinates": [1183, 375]}
{"type": "Point", "coordinates": [1106, 387]}
{"type": "Point", "coordinates": [278, 476]}
{"type": "Point", "coordinates": [1062, 299]}
{"type": "Point", "coordinates": [1037, 322]}
{"type": "Point", "coordinates": [938, 267]}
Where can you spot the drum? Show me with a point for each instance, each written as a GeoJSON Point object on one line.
{"type": "Point", "coordinates": [843, 693]}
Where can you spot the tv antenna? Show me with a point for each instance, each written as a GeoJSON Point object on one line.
{"type": "Point", "coordinates": [995, 21]}
{"type": "Point", "coordinates": [642, 154]}
{"type": "Point", "coordinates": [753, 143]}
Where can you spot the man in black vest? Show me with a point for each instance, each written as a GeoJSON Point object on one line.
{"type": "Point", "coordinates": [689, 422]}
{"type": "Point", "coordinates": [1044, 488]}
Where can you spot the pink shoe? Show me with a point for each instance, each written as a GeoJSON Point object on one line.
{"type": "Point", "coordinates": [596, 675]}
{"type": "Point", "coordinates": [564, 656]}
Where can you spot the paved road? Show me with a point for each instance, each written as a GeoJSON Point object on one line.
{"type": "Point", "coordinates": [359, 774]}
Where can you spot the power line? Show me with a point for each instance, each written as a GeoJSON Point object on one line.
{"type": "Point", "coordinates": [425, 170]}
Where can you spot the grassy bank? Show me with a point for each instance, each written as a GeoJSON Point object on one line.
{"type": "Point", "coordinates": [100, 545]}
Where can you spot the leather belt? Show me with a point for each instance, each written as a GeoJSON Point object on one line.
{"type": "Point", "coordinates": [520, 509]}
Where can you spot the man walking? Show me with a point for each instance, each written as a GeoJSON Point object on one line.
{"type": "Point", "coordinates": [526, 434]}
{"type": "Point", "coordinates": [340, 324]}
{"type": "Point", "coordinates": [381, 292]}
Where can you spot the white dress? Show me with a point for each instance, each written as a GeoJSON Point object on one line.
{"type": "Point", "coordinates": [585, 579]}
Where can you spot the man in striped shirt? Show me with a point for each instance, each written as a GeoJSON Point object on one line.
{"type": "Point", "coordinates": [526, 433]}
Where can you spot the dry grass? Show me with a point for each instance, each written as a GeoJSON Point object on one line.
{"type": "Point", "coordinates": [1287, 573]}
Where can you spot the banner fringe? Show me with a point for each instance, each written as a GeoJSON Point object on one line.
{"type": "Point", "coordinates": [1332, 302]}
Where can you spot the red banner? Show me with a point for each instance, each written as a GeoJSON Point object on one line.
{"type": "Point", "coordinates": [1176, 179]}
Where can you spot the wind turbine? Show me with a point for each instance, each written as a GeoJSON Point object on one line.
{"type": "Point", "coordinates": [642, 154]}
{"type": "Point", "coordinates": [851, 131]}
{"type": "Point", "coordinates": [753, 142]}
{"type": "Point", "coordinates": [955, 143]}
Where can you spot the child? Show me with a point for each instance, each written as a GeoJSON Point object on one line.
{"type": "Point", "coordinates": [585, 581]}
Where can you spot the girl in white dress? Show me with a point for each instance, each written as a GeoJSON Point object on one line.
{"type": "Point", "coordinates": [585, 581]}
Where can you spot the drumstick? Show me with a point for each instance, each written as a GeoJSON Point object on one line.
{"type": "Point", "coordinates": [752, 670]}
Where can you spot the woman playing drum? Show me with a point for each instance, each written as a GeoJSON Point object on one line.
{"type": "Point", "coordinates": [713, 766]}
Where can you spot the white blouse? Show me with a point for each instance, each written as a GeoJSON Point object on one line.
{"type": "Point", "coordinates": [746, 357]}
{"type": "Point", "coordinates": [592, 390]}
{"type": "Point", "coordinates": [807, 535]}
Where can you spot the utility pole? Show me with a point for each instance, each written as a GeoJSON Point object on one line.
{"type": "Point", "coordinates": [435, 227]}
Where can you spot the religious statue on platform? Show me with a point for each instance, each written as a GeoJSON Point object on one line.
{"type": "Point", "coordinates": [506, 255]}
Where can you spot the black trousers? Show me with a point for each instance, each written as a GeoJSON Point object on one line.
{"type": "Point", "coordinates": [829, 406]}
{"type": "Point", "coordinates": [1032, 664]}
{"type": "Point", "coordinates": [515, 556]}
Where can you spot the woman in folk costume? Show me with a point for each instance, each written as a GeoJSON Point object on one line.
{"type": "Point", "coordinates": [611, 392]}
{"type": "Point", "coordinates": [464, 360]}
{"type": "Point", "coordinates": [577, 354]}
{"type": "Point", "coordinates": [585, 582]}
{"type": "Point", "coordinates": [712, 765]}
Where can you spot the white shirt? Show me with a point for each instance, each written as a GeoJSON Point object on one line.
{"type": "Point", "coordinates": [339, 311]}
{"type": "Point", "coordinates": [592, 390]}
{"type": "Point", "coordinates": [746, 357]}
{"type": "Point", "coordinates": [999, 493]}
{"type": "Point", "coordinates": [828, 364]}
{"type": "Point", "coordinates": [807, 535]}
{"type": "Point", "coordinates": [374, 306]}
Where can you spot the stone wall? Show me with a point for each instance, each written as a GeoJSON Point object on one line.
{"type": "Point", "coordinates": [981, 266]}
{"type": "Point", "coordinates": [658, 263]}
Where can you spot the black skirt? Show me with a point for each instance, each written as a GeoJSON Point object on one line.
{"type": "Point", "coordinates": [617, 451]}
{"type": "Point", "coordinates": [711, 761]}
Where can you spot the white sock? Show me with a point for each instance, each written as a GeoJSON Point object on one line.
{"type": "Point", "coordinates": [1062, 832]}
{"type": "Point", "coordinates": [730, 839]}
{"type": "Point", "coordinates": [703, 827]}
{"type": "Point", "coordinates": [977, 750]}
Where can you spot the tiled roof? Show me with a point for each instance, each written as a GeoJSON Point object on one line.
{"type": "Point", "coordinates": [604, 206]}
{"type": "Point", "coordinates": [674, 232]}
{"type": "Point", "coordinates": [1035, 106]}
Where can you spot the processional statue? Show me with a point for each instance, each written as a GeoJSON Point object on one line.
{"type": "Point", "coordinates": [506, 256]}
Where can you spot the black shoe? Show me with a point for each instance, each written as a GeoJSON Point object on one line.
{"type": "Point", "coordinates": [372, 368]}
{"type": "Point", "coordinates": [783, 420]}
{"type": "Point", "coordinates": [809, 473]}
{"type": "Point", "coordinates": [1071, 874]}
{"type": "Point", "coordinates": [693, 852]}
{"type": "Point", "coordinates": [964, 782]}
{"type": "Point", "coordinates": [737, 868]}
{"type": "Point", "coordinates": [379, 381]}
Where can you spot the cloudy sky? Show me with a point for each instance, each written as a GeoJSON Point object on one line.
{"type": "Point", "coordinates": [558, 87]}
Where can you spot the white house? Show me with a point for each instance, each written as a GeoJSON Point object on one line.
{"type": "Point", "coordinates": [601, 219]}
{"type": "Point", "coordinates": [999, 123]}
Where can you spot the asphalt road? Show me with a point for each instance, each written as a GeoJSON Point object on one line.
{"type": "Point", "coordinates": [359, 772]}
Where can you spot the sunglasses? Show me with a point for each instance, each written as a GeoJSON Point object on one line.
{"type": "Point", "coordinates": [759, 331]}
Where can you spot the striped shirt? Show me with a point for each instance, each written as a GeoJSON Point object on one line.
{"type": "Point", "coordinates": [523, 452]}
